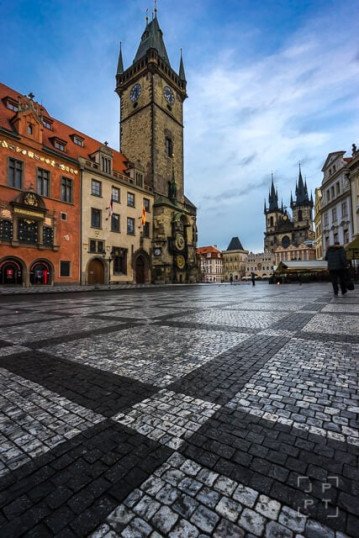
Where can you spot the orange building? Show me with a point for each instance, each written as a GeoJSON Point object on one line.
{"type": "Point", "coordinates": [39, 195]}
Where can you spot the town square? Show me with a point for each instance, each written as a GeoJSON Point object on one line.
{"type": "Point", "coordinates": [179, 269]}
{"type": "Point", "coordinates": [180, 411]}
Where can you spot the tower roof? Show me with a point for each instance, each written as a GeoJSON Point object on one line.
{"type": "Point", "coordinates": [120, 62]}
{"type": "Point", "coordinates": [181, 73]}
{"type": "Point", "coordinates": [152, 38]}
{"type": "Point", "coordinates": [235, 244]}
{"type": "Point", "coordinates": [273, 198]}
{"type": "Point", "coordinates": [301, 191]}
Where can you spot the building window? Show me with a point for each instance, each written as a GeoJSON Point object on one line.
{"type": "Point", "coordinates": [63, 216]}
{"type": "Point", "coordinates": [15, 173]}
{"type": "Point", "coordinates": [326, 219]}
{"type": "Point", "coordinates": [146, 205]}
{"type": "Point", "coordinates": [78, 141]}
{"type": "Point", "coordinates": [115, 195]}
{"type": "Point", "coordinates": [43, 182]}
{"type": "Point", "coordinates": [130, 199]}
{"type": "Point", "coordinates": [96, 246]}
{"type": "Point", "coordinates": [146, 229]}
{"type": "Point", "coordinates": [139, 179]}
{"type": "Point", "coordinates": [66, 189]}
{"type": "Point", "coordinates": [169, 147]}
{"type": "Point", "coordinates": [95, 218]}
{"type": "Point", "coordinates": [346, 236]}
{"type": "Point", "coordinates": [12, 105]}
{"type": "Point", "coordinates": [344, 210]}
{"type": "Point", "coordinates": [130, 226]}
{"type": "Point", "coordinates": [336, 239]}
{"type": "Point", "coordinates": [30, 129]}
{"type": "Point", "coordinates": [96, 188]}
{"type": "Point", "coordinates": [334, 214]}
{"type": "Point", "coordinates": [48, 236]}
{"type": "Point", "coordinates": [59, 144]}
{"type": "Point", "coordinates": [106, 165]}
{"type": "Point", "coordinates": [115, 222]}
{"type": "Point", "coordinates": [5, 230]}
{"type": "Point", "coordinates": [27, 231]}
{"type": "Point", "coordinates": [332, 193]}
{"type": "Point", "coordinates": [47, 123]}
{"type": "Point", "coordinates": [119, 261]}
{"type": "Point", "coordinates": [338, 187]}
{"type": "Point", "coordinates": [65, 268]}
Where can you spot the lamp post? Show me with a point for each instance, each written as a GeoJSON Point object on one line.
{"type": "Point", "coordinates": [109, 260]}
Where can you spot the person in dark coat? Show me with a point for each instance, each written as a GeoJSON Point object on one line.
{"type": "Point", "coordinates": [253, 279]}
{"type": "Point", "coordinates": [337, 267]}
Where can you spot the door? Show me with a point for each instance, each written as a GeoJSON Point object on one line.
{"type": "Point", "coordinates": [96, 273]}
{"type": "Point", "coordinates": [140, 270]}
{"type": "Point", "coordinates": [10, 273]}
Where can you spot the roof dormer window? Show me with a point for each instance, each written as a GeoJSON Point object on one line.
{"type": "Point", "coordinates": [59, 144]}
{"type": "Point", "coordinates": [11, 104]}
{"type": "Point", "coordinates": [47, 123]}
{"type": "Point", "coordinates": [78, 140]}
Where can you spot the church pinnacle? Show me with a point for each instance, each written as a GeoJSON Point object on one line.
{"type": "Point", "coordinates": [152, 38]}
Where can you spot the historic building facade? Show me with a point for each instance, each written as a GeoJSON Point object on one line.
{"type": "Point", "coordinates": [116, 220]}
{"type": "Point", "coordinates": [318, 241]}
{"type": "Point", "coordinates": [234, 260]}
{"type": "Point", "coordinates": [151, 132]}
{"type": "Point", "coordinates": [39, 196]}
{"type": "Point", "coordinates": [261, 264]}
{"type": "Point", "coordinates": [211, 264]}
{"type": "Point", "coordinates": [284, 231]}
{"type": "Point", "coordinates": [336, 203]}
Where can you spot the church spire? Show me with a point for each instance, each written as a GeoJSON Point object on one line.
{"type": "Point", "coordinates": [120, 62]}
{"type": "Point", "coordinates": [273, 198]}
{"type": "Point", "coordinates": [301, 191]}
{"type": "Point", "coordinates": [181, 73]}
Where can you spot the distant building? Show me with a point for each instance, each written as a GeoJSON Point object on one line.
{"type": "Point", "coordinates": [302, 252]}
{"type": "Point", "coordinates": [336, 201]}
{"type": "Point", "coordinates": [353, 165]}
{"type": "Point", "coordinates": [234, 260]}
{"type": "Point", "coordinates": [260, 264]}
{"type": "Point", "coordinates": [211, 264]}
{"type": "Point", "coordinates": [282, 229]}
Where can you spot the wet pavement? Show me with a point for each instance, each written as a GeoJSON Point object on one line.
{"type": "Point", "coordinates": [186, 411]}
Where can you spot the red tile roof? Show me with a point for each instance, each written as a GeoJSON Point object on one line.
{"type": "Point", "coordinates": [208, 250]}
{"type": "Point", "coordinates": [60, 131]}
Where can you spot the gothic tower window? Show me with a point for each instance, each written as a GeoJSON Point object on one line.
{"type": "Point", "coordinates": [271, 221]}
{"type": "Point", "coordinates": [300, 214]}
{"type": "Point", "coordinates": [169, 146]}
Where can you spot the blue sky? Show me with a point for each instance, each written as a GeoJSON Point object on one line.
{"type": "Point", "coordinates": [270, 83]}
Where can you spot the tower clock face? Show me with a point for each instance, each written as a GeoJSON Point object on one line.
{"type": "Point", "coordinates": [179, 241]}
{"type": "Point", "coordinates": [168, 95]}
{"type": "Point", "coordinates": [135, 92]}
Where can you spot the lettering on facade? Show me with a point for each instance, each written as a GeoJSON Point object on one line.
{"type": "Point", "coordinates": [37, 157]}
{"type": "Point", "coordinates": [27, 212]}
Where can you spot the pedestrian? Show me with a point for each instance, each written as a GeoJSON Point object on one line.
{"type": "Point", "coordinates": [253, 279]}
{"type": "Point", "coordinates": [337, 267]}
{"type": "Point", "coordinates": [231, 279]}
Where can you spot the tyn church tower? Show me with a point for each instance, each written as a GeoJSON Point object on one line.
{"type": "Point", "coordinates": [151, 132]}
{"type": "Point", "coordinates": [282, 230]}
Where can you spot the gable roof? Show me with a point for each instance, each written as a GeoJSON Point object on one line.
{"type": "Point", "coordinates": [208, 250]}
{"type": "Point", "coordinates": [152, 38]}
{"type": "Point", "coordinates": [235, 244]}
{"type": "Point", "coordinates": [59, 131]}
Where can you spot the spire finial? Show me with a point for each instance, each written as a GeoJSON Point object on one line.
{"type": "Point", "coordinates": [181, 72]}
{"type": "Point", "coordinates": [120, 61]}
{"type": "Point", "coordinates": [155, 10]}
{"type": "Point", "coordinates": [147, 17]}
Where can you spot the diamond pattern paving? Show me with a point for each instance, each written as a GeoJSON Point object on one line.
{"type": "Point", "coordinates": [187, 411]}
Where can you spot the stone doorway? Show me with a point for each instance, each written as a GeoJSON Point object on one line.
{"type": "Point", "coordinates": [96, 272]}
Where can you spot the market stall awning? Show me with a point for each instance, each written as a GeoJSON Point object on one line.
{"type": "Point", "coordinates": [302, 266]}
{"type": "Point", "coordinates": [352, 249]}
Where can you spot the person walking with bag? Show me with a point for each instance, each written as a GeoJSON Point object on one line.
{"type": "Point", "coordinates": [337, 267]}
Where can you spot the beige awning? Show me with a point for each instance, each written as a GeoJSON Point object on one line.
{"type": "Point", "coordinates": [352, 249]}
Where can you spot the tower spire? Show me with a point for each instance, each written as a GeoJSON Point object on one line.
{"type": "Point", "coordinates": [273, 197]}
{"type": "Point", "coordinates": [120, 62]}
{"type": "Point", "coordinates": [152, 38]}
{"type": "Point", "coordinates": [181, 72]}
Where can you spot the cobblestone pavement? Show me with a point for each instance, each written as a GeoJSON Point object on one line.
{"type": "Point", "coordinates": [193, 411]}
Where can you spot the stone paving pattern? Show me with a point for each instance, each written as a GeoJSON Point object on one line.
{"type": "Point", "coordinates": [224, 411]}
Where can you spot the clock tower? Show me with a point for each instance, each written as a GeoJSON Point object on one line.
{"type": "Point", "coordinates": [151, 134]}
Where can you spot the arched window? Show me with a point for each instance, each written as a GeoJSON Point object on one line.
{"type": "Point", "coordinates": [300, 214]}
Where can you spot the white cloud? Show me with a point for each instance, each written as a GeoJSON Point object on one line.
{"type": "Point", "coordinates": [282, 108]}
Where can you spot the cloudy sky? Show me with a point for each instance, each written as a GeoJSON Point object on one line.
{"type": "Point", "coordinates": [271, 83]}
